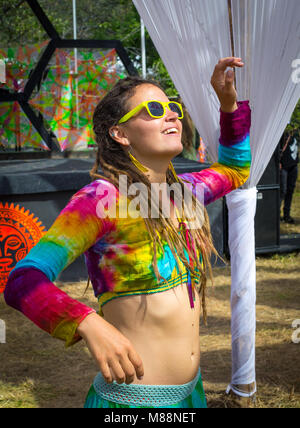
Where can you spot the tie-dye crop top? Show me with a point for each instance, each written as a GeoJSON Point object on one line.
{"type": "Point", "coordinates": [118, 251]}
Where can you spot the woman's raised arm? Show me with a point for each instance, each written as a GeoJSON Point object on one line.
{"type": "Point", "coordinates": [233, 166]}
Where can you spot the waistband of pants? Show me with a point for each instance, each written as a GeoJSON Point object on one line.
{"type": "Point", "coordinates": [143, 395]}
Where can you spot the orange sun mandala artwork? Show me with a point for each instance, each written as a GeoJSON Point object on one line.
{"type": "Point", "coordinates": [19, 232]}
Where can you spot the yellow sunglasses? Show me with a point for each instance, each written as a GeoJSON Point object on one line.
{"type": "Point", "coordinates": [155, 109]}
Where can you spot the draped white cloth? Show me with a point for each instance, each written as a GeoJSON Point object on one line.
{"type": "Point", "coordinates": [241, 212]}
{"type": "Point", "coordinates": [191, 36]}
{"type": "Point", "coordinates": [267, 37]}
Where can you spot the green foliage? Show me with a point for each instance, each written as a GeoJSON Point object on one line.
{"type": "Point", "coordinates": [295, 119]}
{"type": "Point", "coordinates": [160, 72]}
{"type": "Point", "coordinates": [18, 23]}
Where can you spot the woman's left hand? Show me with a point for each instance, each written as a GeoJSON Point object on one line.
{"type": "Point", "coordinates": [223, 83]}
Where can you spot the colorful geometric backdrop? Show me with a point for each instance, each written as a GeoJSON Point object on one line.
{"type": "Point", "coordinates": [66, 98]}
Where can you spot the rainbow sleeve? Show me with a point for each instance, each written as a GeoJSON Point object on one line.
{"type": "Point", "coordinates": [233, 166]}
{"type": "Point", "coordinates": [30, 289]}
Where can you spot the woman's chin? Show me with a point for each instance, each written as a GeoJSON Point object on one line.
{"type": "Point", "coordinates": [174, 149]}
{"type": "Point", "coordinates": [167, 151]}
{"type": "Point", "coordinates": [177, 151]}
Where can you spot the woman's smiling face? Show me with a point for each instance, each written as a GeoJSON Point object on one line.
{"type": "Point", "coordinates": [150, 138]}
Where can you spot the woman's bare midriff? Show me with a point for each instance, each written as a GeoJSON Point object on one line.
{"type": "Point", "coordinates": [164, 330]}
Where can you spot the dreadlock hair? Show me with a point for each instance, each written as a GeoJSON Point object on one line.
{"type": "Point", "coordinates": [114, 161]}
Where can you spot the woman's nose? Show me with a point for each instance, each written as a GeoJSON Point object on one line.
{"type": "Point", "coordinates": [171, 115]}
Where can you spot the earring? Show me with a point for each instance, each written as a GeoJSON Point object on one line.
{"type": "Point", "coordinates": [171, 167]}
{"type": "Point", "coordinates": [137, 163]}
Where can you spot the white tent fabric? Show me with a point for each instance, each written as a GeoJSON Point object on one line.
{"type": "Point", "coordinates": [267, 37]}
{"type": "Point", "coordinates": [191, 36]}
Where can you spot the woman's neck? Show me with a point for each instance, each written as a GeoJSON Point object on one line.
{"type": "Point", "coordinates": [157, 171]}
{"type": "Point", "coordinates": [156, 176]}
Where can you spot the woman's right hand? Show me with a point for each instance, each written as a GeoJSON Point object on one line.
{"type": "Point", "coordinates": [113, 352]}
{"type": "Point", "coordinates": [223, 83]}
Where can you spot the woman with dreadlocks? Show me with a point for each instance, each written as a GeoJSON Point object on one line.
{"type": "Point", "coordinates": [148, 272]}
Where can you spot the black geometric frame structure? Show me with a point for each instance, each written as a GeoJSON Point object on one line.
{"type": "Point", "coordinates": [36, 76]}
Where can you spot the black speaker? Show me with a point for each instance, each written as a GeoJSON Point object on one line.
{"type": "Point", "coordinates": [267, 221]}
{"type": "Point", "coordinates": [271, 174]}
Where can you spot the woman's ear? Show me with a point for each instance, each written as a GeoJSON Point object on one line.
{"type": "Point", "coordinates": [118, 134]}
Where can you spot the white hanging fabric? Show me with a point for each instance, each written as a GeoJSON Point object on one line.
{"type": "Point", "coordinates": [241, 212]}
{"type": "Point", "coordinates": [267, 36]}
{"type": "Point", "coordinates": [190, 37]}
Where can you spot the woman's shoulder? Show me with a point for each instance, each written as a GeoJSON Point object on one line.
{"type": "Point", "coordinates": [99, 187]}
{"type": "Point", "coordinates": [94, 199]}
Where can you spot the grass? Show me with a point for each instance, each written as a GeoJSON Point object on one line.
{"type": "Point", "coordinates": [38, 372]}
{"type": "Point", "coordinates": [277, 357]}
